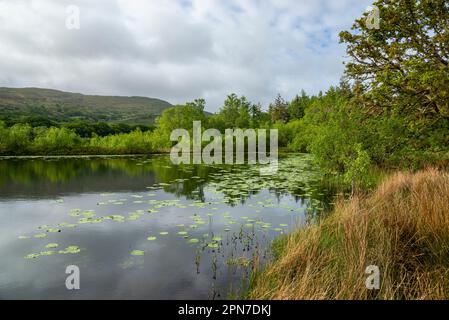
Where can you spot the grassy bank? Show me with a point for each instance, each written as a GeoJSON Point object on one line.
{"type": "Point", "coordinates": [402, 227]}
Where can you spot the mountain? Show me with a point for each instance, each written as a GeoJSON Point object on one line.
{"type": "Point", "coordinates": [65, 106]}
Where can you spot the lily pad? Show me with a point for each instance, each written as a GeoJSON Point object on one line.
{"type": "Point", "coordinates": [40, 235]}
{"type": "Point", "coordinates": [137, 253]}
{"type": "Point", "coordinates": [32, 256]}
{"type": "Point", "coordinates": [70, 250]}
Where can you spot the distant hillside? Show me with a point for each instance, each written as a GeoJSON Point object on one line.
{"type": "Point", "coordinates": [65, 106]}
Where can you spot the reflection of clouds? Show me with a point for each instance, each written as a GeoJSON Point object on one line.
{"type": "Point", "coordinates": [168, 269]}
{"type": "Point", "coordinates": [175, 278]}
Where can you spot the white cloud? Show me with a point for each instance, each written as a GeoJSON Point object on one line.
{"type": "Point", "coordinates": [176, 50]}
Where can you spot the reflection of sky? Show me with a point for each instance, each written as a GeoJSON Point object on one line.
{"type": "Point", "coordinates": [167, 270]}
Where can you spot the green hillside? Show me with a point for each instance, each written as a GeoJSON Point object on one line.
{"type": "Point", "coordinates": [65, 106]}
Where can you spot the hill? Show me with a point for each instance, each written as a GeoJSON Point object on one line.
{"type": "Point", "coordinates": [66, 106]}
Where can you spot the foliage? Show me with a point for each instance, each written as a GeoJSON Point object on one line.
{"type": "Point", "coordinates": [279, 110]}
{"type": "Point", "coordinates": [390, 111]}
{"type": "Point", "coordinates": [403, 65]}
{"type": "Point", "coordinates": [297, 107]}
{"type": "Point", "coordinates": [55, 139]}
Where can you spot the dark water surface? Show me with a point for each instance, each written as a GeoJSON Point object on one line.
{"type": "Point", "coordinates": [142, 228]}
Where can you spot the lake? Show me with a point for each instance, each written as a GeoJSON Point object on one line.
{"type": "Point", "coordinates": [143, 228]}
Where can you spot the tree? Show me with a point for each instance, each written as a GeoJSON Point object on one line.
{"type": "Point", "coordinates": [402, 66]}
{"type": "Point", "coordinates": [400, 79]}
{"type": "Point", "coordinates": [278, 110]}
{"type": "Point", "coordinates": [235, 113]}
{"type": "Point", "coordinates": [298, 106]}
{"type": "Point", "coordinates": [178, 117]}
{"type": "Point", "coordinates": [59, 140]}
{"type": "Point", "coordinates": [255, 111]}
{"type": "Point", "coordinates": [197, 104]}
{"type": "Point", "coordinates": [17, 139]}
{"type": "Point", "coordinates": [181, 117]}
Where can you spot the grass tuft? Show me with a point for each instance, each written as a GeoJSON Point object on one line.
{"type": "Point", "coordinates": [402, 227]}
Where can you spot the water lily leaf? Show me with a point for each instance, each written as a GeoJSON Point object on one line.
{"type": "Point", "coordinates": [89, 214]}
{"type": "Point", "coordinates": [117, 218]}
{"type": "Point", "coordinates": [137, 253]}
{"type": "Point", "coordinates": [70, 250]}
{"type": "Point", "coordinates": [47, 253]}
{"type": "Point", "coordinates": [40, 235]}
{"type": "Point", "coordinates": [75, 214]}
{"type": "Point", "coordinates": [51, 245]}
{"type": "Point", "coordinates": [67, 225]}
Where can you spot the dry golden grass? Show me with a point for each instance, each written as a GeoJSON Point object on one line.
{"type": "Point", "coordinates": [402, 227]}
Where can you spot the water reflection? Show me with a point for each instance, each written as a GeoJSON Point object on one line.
{"type": "Point", "coordinates": [208, 224]}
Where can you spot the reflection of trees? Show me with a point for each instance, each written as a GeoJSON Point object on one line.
{"type": "Point", "coordinates": [93, 174]}
{"type": "Point", "coordinates": [61, 170]}
{"type": "Point", "coordinates": [296, 176]}
{"type": "Point", "coordinates": [50, 177]}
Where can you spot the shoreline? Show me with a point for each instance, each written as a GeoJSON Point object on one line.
{"type": "Point", "coordinates": [401, 228]}
{"type": "Point", "coordinates": [160, 153]}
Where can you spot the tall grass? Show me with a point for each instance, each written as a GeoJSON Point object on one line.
{"type": "Point", "coordinates": [402, 227]}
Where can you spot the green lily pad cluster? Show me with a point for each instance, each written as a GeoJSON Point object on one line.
{"type": "Point", "coordinates": [226, 187]}
{"type": "Point", "coordinates": [68, 250]}
{"type": "Point", "coordinates": [137, 253]}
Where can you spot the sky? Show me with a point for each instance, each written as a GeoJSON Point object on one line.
{"type": "Point", "coordinates": [176, 50]}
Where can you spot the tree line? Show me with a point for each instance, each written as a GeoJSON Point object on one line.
{"type": "Point", "coordinates": [391, 109]}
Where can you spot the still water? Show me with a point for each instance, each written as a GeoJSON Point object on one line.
{"type": "Point", "coordinates": [142, 228]}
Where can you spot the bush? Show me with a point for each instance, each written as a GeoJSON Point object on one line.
{"type": "Point", "coordinates": [55, 140]}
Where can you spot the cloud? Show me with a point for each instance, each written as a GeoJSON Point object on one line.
{"type": "Point", "coordinates": [176, 50]}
